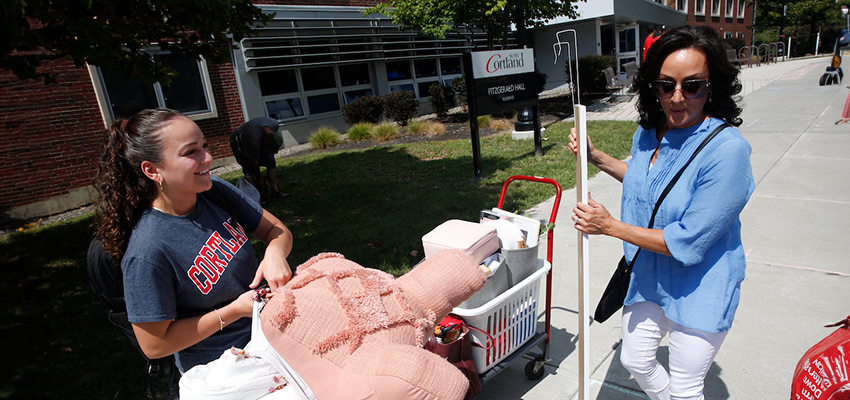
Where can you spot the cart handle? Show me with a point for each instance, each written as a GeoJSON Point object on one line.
{"type": "Point", "coordinates": [549, 237]}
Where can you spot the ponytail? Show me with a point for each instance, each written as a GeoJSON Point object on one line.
{"type": "Point", "coordinates": [124, 192]}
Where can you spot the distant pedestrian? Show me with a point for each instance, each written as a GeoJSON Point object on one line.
{"type": "Point", "coordinates": [654, 33]}
{"type": "Point", "coordinates": [254, 145]}
{"type": "Point", "coordinates": [686, 283]}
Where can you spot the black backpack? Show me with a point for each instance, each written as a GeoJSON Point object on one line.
{"type": "Point", "coordinates": [107, 284]}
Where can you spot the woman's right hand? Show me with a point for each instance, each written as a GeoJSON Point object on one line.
{"type": "Point", "coordinates": [244, 304]}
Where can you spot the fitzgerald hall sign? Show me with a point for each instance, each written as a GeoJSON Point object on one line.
{"type": "Point", "coordinates": [504, 79]}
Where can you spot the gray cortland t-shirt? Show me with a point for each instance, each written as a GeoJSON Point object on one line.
{"type": "Point", "coordinates": [183, 266]}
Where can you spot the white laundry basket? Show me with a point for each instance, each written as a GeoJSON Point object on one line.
{"type": "Point", "coordinates": [510, 320]}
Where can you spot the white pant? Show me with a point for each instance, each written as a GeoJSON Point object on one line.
{"type": "Point", "coordinates": [691, 353]}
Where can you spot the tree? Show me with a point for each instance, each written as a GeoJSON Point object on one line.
{"type": "Point", "coordinates": [802, 17]}
{"type": "Point", "coordinates": [435, 18]}
{"type": "Point", "coordinates": [116, 35]}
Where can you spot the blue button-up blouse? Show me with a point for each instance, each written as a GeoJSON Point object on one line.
{"type": "Point", "coordinates": [699, 286]}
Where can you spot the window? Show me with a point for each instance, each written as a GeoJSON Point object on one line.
{"type": "Point", "coordinates": [398, 70]}
{"type": "Point", "coordinates": [627, 40]}
{"type": "Point", "coordinates": [450, 66]}
{"type": "Point", "coordinates": [682, 5]}
{"type": "Point", "coordinates": [715, 8]}
{"type": "Point", "coordinates": [727, 35]}
{"type": "Point", "coordinates": [730, 8]}
{"type": "Point", "coordinates": [320, 88]}
{"type": "Point", "coordinates": [418, 75]}
{"type": "Point", "coordinates": [281, 94]}
{"type": "Point", "coordinates": [404, 87]}
{"type": "Point", "coordinates": [121, 96]}
{"type": "Point", "coordinates": [318, 78]}
{"type": "Point", "coordinates": [356, 81]}
{"type": "Point", "coordinates": [426, 75]}
{"type": "Point", "coordinates": [287, 108]}
{"type": "Point", "coordinates": [739, 35]}
{"type": "Point", "coordinates": [699, 7]}
{"type": "Point", "coordinates": [355, 74]}
{"type": "Point", "coordinates": [296, 93]}
{"type": "Point", "coordinates": [741, 9]}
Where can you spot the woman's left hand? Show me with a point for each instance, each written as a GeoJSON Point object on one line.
{"type": "Point", "coordinates": [278, 238]}
{"type": "Point", "coordinates": [274, 269]}
{"type": "Point", "coordinates": [592, 218]}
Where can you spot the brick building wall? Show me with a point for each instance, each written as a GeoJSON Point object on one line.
{"type": "Point", "coordinates": [52, 135]}
{"type": "Point", "coordinates": [723, 24]}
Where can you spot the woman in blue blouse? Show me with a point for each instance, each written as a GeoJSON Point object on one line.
{"type": "Point", "coordinates": [688, 284]}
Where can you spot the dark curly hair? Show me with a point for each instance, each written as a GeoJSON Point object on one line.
{"type": "Point", "coordinates": [722, 75]}
{"type": "Point", "coordinates": [124, 192]}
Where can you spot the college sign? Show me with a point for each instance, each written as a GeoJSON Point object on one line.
{"type": "Point", "coordinates": [503, 80]}
{"type": "Point", "coordinates": [499, 81]}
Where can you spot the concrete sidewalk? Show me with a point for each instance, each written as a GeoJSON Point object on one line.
{"type": "Point", "coordinates": [794, 233]}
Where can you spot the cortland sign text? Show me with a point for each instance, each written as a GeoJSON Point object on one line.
{"type": "Point", "coordinates": [489, 64]}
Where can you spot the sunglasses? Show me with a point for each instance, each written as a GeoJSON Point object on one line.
{"type": "Point", "coordinates": [691, 89]}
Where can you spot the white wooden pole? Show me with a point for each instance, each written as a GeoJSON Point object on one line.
{"type": "Point", "coordinates": [580, 113]}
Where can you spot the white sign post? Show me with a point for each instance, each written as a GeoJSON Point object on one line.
{"type": "Point", "coordinates": [580, 113]}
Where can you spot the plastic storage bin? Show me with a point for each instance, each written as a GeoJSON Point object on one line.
{"type": "Point", "coordinates": [510, 320]}
{"type": "Point", "coordinates": [476, 240]}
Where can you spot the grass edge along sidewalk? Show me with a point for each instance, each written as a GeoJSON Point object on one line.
{"type": "Point", "coordinates": [371, 205]}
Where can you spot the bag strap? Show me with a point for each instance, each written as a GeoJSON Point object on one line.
{"type": "Point", "coordinates": [673, 182]}
{"type": "Point", "coordinates": [490, 341]}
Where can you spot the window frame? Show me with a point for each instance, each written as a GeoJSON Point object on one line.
{"type": "Point", "coordinates": [730, 8]}
{"type": "Point", "coordinates": [742, 9]}
{"type": "Point", "coordinates": [717, 12]}
{"type": "Point", "coordinates": [105, 106]}
{"type": "Point", "coordinates": [698, 11]}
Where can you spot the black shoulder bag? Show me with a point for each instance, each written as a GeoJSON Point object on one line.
{"type": "Point", "coordinates": [615, 293]}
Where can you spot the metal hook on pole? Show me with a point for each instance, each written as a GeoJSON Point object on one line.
{"type": "Point", "coordinates": [574, 83]}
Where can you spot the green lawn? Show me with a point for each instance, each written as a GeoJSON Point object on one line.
{"type": "Point", "coordinates": [371, 205]}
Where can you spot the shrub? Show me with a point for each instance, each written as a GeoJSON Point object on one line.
{"type": "Point", "coordinates": [324, 138]}
{"type": "Point", "coordinates": [442, 99]}
{"type": "Point", "coordinates": [429, 128]}
{"type": "Point", "coordinates": [459, 86]}
{"type": "Point", "coordinates": [484, 121]}
{"type": "Point", "coordinates": [360, 131]}
{"type": "Point", "coordinates": [400, 106]}
{"type": "Point", "coordinates": [416, 127]}
{"type": "Point", "coordinates": [435, 128]}
{"type": "Point", "coordinates": [386, 131]}
{"type": "Point", "coordinates": [541, 80]}
{"type": "Point", "coordinates": [501, 125]}
{"type": "Point", "coordinates": [591, 78]}
{"type": "Point", "coordinates": [363, 109]}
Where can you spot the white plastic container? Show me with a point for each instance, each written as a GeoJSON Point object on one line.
{"type": "Point", "coordinates": [510, 320]}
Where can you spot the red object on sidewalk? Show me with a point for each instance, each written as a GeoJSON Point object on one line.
{"type": "Point", "coordinates": [824, 371]}
{"type": "Point", "coordinates": [845, 113]}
